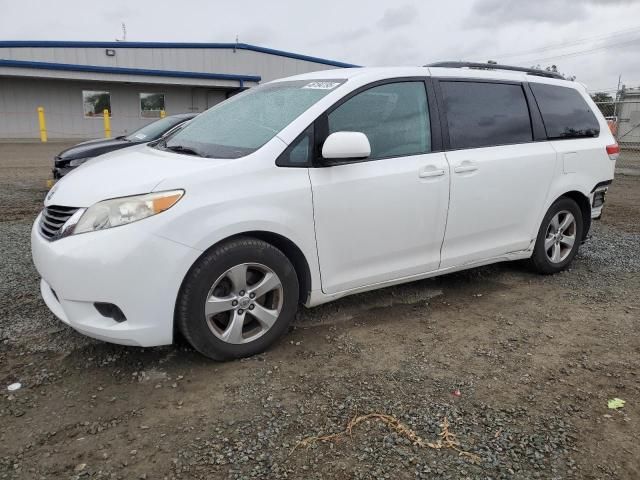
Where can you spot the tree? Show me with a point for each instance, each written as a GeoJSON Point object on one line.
{"type": "Point", "coordinates": [605, 103]}
{"type": "Point", "coordinates": [601, 97]}
{"type": "Point", "coordinates": [554, 69]}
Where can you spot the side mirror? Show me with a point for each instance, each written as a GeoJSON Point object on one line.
{"type": "Point", "coordinates": [346, 145]}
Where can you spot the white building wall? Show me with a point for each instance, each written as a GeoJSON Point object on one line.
{"type": "Point", "coordinates": [62, 101]}
{"type": "Point", "coordinates": [629, 119]}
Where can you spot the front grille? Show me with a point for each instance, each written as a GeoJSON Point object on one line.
{"type": "Point", "coordinates": [53, 218]}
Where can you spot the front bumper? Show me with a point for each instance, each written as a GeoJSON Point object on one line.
{"type": "Point", "coordinates": [126, 266]}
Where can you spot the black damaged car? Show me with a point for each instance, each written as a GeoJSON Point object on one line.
{"type": "Point", "coordinates": [75, 156]}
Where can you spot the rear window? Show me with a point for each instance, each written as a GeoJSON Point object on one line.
{"type": "Point", "coordinates": [564, 112]}
{"type": "Point", "coordinates": [481, 114]}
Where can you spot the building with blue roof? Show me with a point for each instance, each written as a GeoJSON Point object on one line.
{"type": "Point", "coordinates": [135, 81]}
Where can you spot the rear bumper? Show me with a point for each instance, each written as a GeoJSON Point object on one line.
{"type": "Point", "coordinates": [597, 198]}
{"type": "Point", "coordinates": [126, 266]}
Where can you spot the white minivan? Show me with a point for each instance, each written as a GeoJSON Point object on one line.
{"type": "Point", "coordinates": [307, 189]}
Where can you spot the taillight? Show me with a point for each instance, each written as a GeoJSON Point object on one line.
{"type": "Point", "coordinates": [613, 151]}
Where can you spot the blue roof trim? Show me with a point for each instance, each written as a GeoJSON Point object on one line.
{"type": "Point", "coordinates": [127, 71]}
{"type": "Point", "coordinates": [231, 46]}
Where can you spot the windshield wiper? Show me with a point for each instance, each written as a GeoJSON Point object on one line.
{"type": "Point", "coordinates": [183, 149]}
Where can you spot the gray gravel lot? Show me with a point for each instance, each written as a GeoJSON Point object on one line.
{"type": "Point", "coordinates": [534, 360]}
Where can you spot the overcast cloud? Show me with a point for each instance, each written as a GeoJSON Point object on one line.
{"type": "Point", "coordinates": [366, 32]}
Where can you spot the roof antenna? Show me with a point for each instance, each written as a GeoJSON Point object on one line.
{"type": "Point", "coordinates": [124, 34]}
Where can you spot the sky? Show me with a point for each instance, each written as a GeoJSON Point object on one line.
{"type": "Point", "coordinates": [595, 40]}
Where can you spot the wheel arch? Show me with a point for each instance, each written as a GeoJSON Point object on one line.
{"type": "Point", "coordinates": [291, 251]}
{"type": "Point", "coordinates": [285, 245]}
{"type": "Point", "coordinates": [585, 207]}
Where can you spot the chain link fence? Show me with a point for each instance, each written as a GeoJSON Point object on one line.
{"type": "Point", "coordinates": [624, 121]}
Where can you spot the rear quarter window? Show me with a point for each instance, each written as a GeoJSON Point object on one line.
{"type": "Point", "coordinates": [564, 111]}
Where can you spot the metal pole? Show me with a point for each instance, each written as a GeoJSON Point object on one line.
{"type": "Point", "coordinates": [615, 104]}
{"type": "Point", "coordinates": [43, 124]}
{"type": "Point", "coordinates": [107, 123]}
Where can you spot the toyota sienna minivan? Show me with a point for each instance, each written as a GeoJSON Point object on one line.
{"type": "Point", "coordinates": [309, 188]}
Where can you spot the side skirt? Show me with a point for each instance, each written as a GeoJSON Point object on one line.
{"type": "Point", "coordinates": [317, 297]}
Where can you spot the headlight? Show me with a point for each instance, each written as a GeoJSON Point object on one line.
{"type": "Point", "coordinates": [79, 161]}
{"type": "Point", "coordinates": [120, 211]}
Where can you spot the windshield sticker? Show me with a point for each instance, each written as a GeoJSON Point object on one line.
{"type": "Point", "coordinates": [321, 85]}
{"type": "Point", "coordinates": [140, 136]}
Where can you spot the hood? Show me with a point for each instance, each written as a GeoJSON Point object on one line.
{"type": "Point", "coordinates": [133, 171]}
{"type": "Point", "coordinates": [93, 148]}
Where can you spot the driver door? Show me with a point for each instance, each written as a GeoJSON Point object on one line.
{"type": "Point", "coordinates": [383, 218]}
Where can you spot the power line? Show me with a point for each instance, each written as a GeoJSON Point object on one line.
{"type": "Point", "coordinates": [582, 52]}
{"type": "Point", "coordinates": [561, 45]}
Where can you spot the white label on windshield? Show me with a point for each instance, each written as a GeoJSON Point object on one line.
{"type": "Point", "coordinates": [140, 136]}
{"type": "Point", "coordinates": [322, 85]}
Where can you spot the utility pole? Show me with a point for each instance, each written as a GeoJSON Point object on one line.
{"type": "Point", "coordinates": [615, 104]}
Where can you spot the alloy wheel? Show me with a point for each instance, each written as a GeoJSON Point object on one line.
{"type": "Point", "coordinates": [244, 303]}
{"type": "Point", "coordinates": [560, 237]}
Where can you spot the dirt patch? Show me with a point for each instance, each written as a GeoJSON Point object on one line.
{"type": "Point", "coordinates": [534, 360]}
{"type": "Point", "coordinates": [623, 204]}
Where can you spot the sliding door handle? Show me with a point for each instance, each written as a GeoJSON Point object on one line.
{"type": "Point", "coordinates": [466, 167]}
{"type": "Point", "coordinates": [431, 173]}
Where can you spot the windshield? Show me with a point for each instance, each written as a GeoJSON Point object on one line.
{"type": "Point", "coordinates": [154, 130]}
{"type": "Point", "coordinates": [244, 123]}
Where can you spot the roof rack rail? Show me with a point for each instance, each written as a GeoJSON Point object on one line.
{"type": "Point", "coordinates": [496, 66]}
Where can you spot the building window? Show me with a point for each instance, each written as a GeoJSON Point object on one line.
{"type": "Point", "coordinates": [151, 104]}
{"type": "Point", "coordinates": [95, 103]}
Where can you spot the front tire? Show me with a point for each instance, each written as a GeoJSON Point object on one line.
{"type": "Point", "coordinates": [237, 299]}
{"type": "Point", "coordinates": [559, 237]}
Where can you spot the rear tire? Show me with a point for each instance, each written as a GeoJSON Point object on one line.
{"type": "Point", "coordinates": [237, 299]}
{"type": "Point", "coordinates": [559, 237]}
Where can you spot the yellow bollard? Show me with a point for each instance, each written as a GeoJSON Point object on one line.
{"type": "Point", "coordinates": [107, 123]}
{"type": "Point", "coordinates": [43, 124]}
{"type": "Point", "coordinates": [163, 114]}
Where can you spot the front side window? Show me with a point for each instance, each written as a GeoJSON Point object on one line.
{"type": "Point", "coordinates": [481, 114]}
{"type": "Point", "coordinates": [151, 104]}
{"type": "Point", "coordinates": [95, 103]}
{"type": "Point", "coordinates": [565, 113]}
{"type": "Point", "coordinates": [299, 153]}
{"type": "Point", "coordinates": [244, 123]}
{"type": "Point", "coordinates": [393, 116]}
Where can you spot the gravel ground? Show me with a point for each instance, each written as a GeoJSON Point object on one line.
{"type": "Point", "coordinates": [521, 367]}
